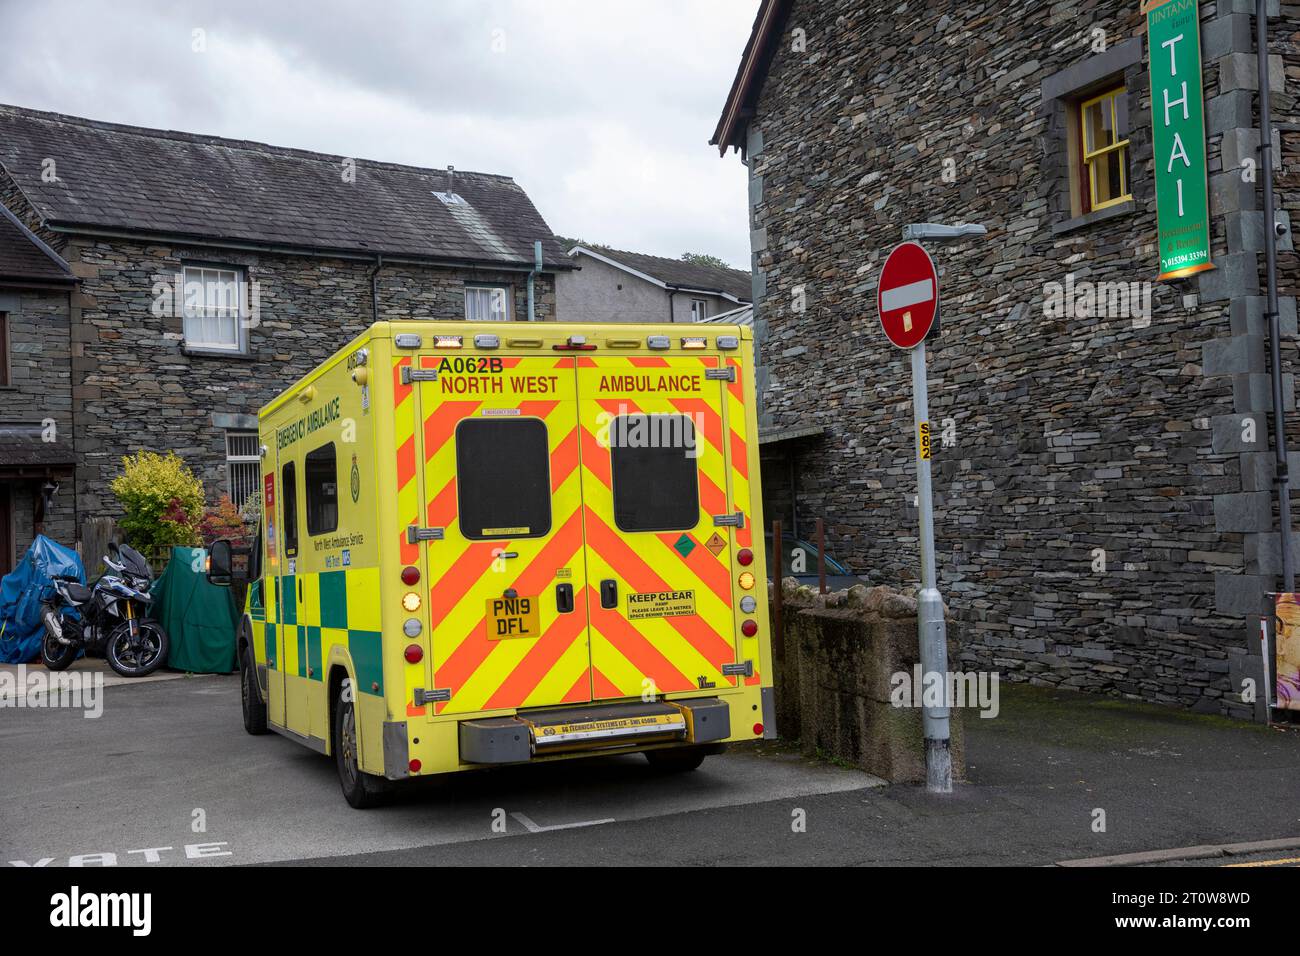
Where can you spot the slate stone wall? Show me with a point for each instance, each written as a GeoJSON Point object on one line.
{"type": "Point", "coordinates": [134, 385]}
{"type": "Point", "coordinates": [40, 392]}
{"type": "Point", "coordinates": [1063, 440]}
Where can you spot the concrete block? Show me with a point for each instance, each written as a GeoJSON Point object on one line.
{"type": "Point", "coordinates": [1241, 593]}
{"type": "Point", "coordinates": [1254, 392]}
{"type": "Point", "coordinates": [1264, 552]}
{"type": "Point", "coordinates": [1227, 34]}
{"type": "Point", "coordinates": [1228, 111]}
{"type": "Point", "coordinates": [1240, 71]}
{"type": "Point", "coordinates": [1236, 275]}
{"type": "Point", "coordinates": [1237, 355]}
{"type": "Point", "coordinates": [1243, 511]}
{"type": "Point", "coordinates": [1257, 470]}
{"type": "Point", "coordinates": [1229, 194]}
{"type": "Point", "coordinates": [1246, 315]}
{"type": "Point", "coordinates": [1239, 433]}
{"type": "Point", "coordinates": [1229, 7]}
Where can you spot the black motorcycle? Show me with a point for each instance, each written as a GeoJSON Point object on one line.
{"type": "Point", "coordinates": [109, 618]}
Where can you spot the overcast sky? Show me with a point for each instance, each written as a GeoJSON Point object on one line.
{"type": "Point", "coordinates": [601, 111]}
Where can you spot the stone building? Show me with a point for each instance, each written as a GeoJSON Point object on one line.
{"type": "Point", "coordinates": [213, 273]}
{"type": "Point", "coordinates": [36, 456]}
{"type": "Point", "coordinates": [1103, 472]}
{"type": "Point", "coordinates": [611, 285]}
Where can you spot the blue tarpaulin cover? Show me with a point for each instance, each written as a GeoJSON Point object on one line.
{"type": "Point", "coordinates": [21, 594]}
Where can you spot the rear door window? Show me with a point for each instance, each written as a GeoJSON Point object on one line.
{"type": "Point", "coordinates": [503, 478]}
{"type": "Point", "coordinates": [654, 470]}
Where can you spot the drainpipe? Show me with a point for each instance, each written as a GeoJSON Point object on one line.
{"type": "Point", "coordinates": [374, 289]}
{"type": "Point", "coordinates": [537, 270]}
{"type": "Point", "coordinates": [671, 292]}
{"type": "Point", "coordinates": [1274, 322]}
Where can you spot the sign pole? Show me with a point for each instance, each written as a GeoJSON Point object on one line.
{"type": "Point", "coordinates": [931, 630]}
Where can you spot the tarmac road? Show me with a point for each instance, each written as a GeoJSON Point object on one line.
{"type": "Point", "coordinates": [168, 765]}
{"type": "Point", "coordinates": [165, 755]}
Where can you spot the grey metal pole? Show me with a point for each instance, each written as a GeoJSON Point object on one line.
{"type": "Point", "coordinates": [931, 630]}
{"type": "Point", "coordinates": [1274, 321]}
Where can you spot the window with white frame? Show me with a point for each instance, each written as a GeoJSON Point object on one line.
{"type": "Point", "coordinates": [699, 310]}
{"type": "Point", "coordinates": [243, 466]}
{"type": "Point", "coordinates": [214, 305]}
{"type": "Point", "coordinates": [487, 303]}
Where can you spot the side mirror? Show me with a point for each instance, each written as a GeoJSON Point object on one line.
{"type": "Point", "coordinates": [220, 561]}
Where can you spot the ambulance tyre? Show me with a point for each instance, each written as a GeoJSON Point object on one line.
{"type": "Point", "coordinates": [677, 761]}
{"type": "Point", "coordinates": [361, 790]}
{"type": "Point", "coordinates": [253, 705]}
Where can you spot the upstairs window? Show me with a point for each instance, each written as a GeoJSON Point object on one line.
{"type": "Point", "coordinates": [213, 308]}
{"type": "Point", "coordinates": [1105, 151]}
{"type": "Point", "coordinates": [486, 303]}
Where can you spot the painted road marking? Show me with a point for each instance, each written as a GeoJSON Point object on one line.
{"type": "Point", "coordinates": [532, 827]}
{"type": "Point", "coordinates": [1285, 861]}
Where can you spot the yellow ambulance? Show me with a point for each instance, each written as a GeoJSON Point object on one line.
{"type": "Point", "coordinates": [504, 543]}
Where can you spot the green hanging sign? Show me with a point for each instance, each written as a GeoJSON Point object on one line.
{"type": "Point", "coordinates": [1178, 137]}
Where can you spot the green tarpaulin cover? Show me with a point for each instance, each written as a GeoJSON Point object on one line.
{"type": "Point", "coordinates": [200, 618]}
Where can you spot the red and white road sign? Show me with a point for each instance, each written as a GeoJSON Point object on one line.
{"type": "Point", "coordinates": [908, 295]}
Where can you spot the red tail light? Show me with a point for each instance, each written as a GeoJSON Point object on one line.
{"type": "Point", "coordinates": [758, 730]}
{"type": "Point", "coordinates": [415, 765]}
{"type": "Point", "coordinates": [745, 556]}
{"type": "Point", "coordinates": [410, 576]}
{"type": "Point", "coordinates": [414, 653]}
{"type": "Point", "coordinates": [749, 628]}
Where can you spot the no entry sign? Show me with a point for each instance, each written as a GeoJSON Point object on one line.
{"type": "Point", "coordinates": [908, 295]}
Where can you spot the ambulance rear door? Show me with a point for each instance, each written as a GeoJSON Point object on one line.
{"type": "Point", "coordinates": [659, 524]}
{"type": "Point", "coordinates": [501, 527]}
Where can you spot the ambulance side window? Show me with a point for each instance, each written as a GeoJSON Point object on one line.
{"type": "Point", "coordinates": [653, 465]}
{"type": "Point", "coordinates": [289, 504]}
{"type": "Point", "coordinates": [503, 478]}
{"type": "Point", "coordinates": [321, 477]}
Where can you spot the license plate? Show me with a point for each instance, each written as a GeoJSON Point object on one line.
{"type": "Point", "coordinates": [512, 617]}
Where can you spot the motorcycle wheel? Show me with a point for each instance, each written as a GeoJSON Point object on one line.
{"type": "Point", "coordinates": [142, 657]}
{"type": "Point", "coordinates": [56, 656]}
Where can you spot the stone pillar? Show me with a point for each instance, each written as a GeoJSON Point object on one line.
{"type": "Point", "coordinates": [1239, 222]}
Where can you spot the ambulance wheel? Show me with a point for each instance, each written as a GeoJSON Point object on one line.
{"type": "Point", "coordinates": [361, 790]}
{"type": "Point", "coordinates": [251, 695]}
{"type": "Point", "coordinates": [677, 761]}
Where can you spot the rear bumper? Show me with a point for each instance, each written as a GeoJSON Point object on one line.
{"type": "Point", "coordinates": [525, 736]}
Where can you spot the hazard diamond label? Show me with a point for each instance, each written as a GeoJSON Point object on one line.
{"type": "Point", "coordinates": [716, 544]}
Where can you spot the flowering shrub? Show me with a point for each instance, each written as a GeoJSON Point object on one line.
{"type": "Point", "coordinates": [162, 501]}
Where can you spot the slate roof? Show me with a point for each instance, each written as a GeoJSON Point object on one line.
{"type": "Point", "coordinates": [184, 185]}
{"type": "Point", "coordinates": [24, 258]}
{"type": "Point", "coordinates": [22, 445]}
{"type": "Point", "coordinates": [679, 273]}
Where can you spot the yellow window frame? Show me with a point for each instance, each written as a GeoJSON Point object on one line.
{"type": "Point", "coordinates": [1119, 146]}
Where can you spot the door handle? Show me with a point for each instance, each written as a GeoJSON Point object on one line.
{"type": "Point", "coordinates": [609, 593]}
{"type": "Point", "coordinates": [300, 590]}
{"type": "Point", "coordinates": [564, 598]}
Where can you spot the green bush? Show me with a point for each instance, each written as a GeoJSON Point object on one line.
{"type": "Point", "coordinates": [162, 500]}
